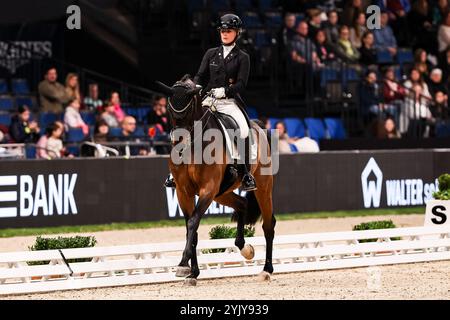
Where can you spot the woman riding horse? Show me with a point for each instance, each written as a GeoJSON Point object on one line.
{"type": "Point", "coordinates": [224, 73]}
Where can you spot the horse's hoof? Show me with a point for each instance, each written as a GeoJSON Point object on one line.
{"type": "Point", "coordinates": [190, 282]}
{"type": "Point", "coordinates": [183, 271]}
{"type": "Point", "coordinates": [248, 252]}
{"type": "Point", "coordinates": [264, 276]}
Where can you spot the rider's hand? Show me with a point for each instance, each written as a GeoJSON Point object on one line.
{"type": "Point", "coordinates": [218, 93]}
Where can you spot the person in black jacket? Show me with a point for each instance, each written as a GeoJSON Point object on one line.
{"type": "Point", "coordinates": [22, 130]}
{"type": "Point", "coordinates": [224, 73]}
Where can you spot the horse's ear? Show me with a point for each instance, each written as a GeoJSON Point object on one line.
{"type": "Point", "coordinates": [162, 88]}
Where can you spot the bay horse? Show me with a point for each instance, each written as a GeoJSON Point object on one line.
{"type": "Point", "coordinates": [208, 180]}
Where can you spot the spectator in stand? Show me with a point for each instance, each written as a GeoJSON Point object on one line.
{"type": "Point", "coordinates": [287, 32]}
{"type": "Point", "coordinates": [397, 11]}
{"type": "Point", "coordinates": [393, 94]}
{"type": "Point", "coordinates": [52, 146]}
{"type": "Point", "coordinates": [3, 134]}
{"type": "Point", "coordinates": [52, 94]}
{"type": "Point", "coordinates": [384, 37]}
{"type": "Point", "coordinates": [323, 50]}
{"type": "Point", "coordinates": [368, 53]}
{"type": "Point", "coordinates": [302, 49]}
{"type": "Point", "coordinates": [370, 101]}
{"type": "Point", "coordinates": [331, 28]}
{"type": "Point", "coordinates": [158, 116]}
{"type": "Point", "coordinates": [101, 132]}
{"type": "Point", "coordinates": [414, 78]}
{"type": "Point", "coordinates": [72, 118]}
{"type": "Point", "coordinates": [444, 36]}
{"type": "Point", "coordinates": [420, 24]}
{"type": "Point", "coordinates": [358, 29]}
{"type": "Point", "coordinates": [315, 22]}
{"type": "Point", "coordinates": [390, 129]}
{"type": "Point", "coordinates": [115, 100]}
{"type": "Point", "coordinates": [109, 116]}
{"type": "Point", "coordinates": [41, 145]}
{"type": "Point", "coordinates": [288, 144]}
{"type": "Point", "coordinates": [72, 87]}
{"type": "Point", "coordinates": [445, 66]}
{"type": "Point", "coordinates": [345, 49]}
{"type": "Point", "coordinates": [352, 9]}
{"type": "Point", "coordinates": [128, 134]}
{"type": "Point", "coordinates": [439, 11]}
{"type": "Point", "coordinates": [420, 62]}
{"type": "Point", "coordinates": [435, 84]}
{"type": "Point", "coordinates": [418, 115]}
{"type": "Point", "coordinates": [440, 105]}
{"type": "Point", "coordinates": [22, 130]}
{"type": "Point", "coordinates": [92, 101]}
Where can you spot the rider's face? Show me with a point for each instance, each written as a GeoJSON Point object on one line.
{"type": "Point", "coordinates": [228, 35]}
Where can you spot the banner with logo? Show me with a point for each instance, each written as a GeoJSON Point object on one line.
{"type": "Point", "coordinates": [35, 193]}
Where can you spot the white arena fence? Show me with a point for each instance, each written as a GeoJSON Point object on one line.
{"type": "Point", "coordinates": [156, 262]}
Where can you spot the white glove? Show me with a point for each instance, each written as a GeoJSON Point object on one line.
{"type": "Point", "coordinates": [218, 93]}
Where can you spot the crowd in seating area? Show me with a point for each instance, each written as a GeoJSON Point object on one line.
{"type": "Point", "coordinates": [66, 115]}
{"type": "Point", "coordinates": [402, 68]}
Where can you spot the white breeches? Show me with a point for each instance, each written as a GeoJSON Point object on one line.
{"type": "Point", "coordinates": [229, 107]}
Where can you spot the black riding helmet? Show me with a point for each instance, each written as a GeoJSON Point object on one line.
{"type": "Point", "coordinates": [229, 21]}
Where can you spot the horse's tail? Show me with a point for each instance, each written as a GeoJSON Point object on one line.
{"type": "Point", "coordinates": [251, 216]}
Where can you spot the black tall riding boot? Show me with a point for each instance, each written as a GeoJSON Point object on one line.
{"type": "Point", "coordinates": [248, 181]}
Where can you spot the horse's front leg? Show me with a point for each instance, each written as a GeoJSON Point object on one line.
{"type": "Point", "coordinates": [190, 251]}
{"type": "Point", "coordinates": [187, 205]}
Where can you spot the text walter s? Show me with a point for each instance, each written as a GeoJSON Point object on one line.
{"type": "Point", "coordinates": [25, 196]}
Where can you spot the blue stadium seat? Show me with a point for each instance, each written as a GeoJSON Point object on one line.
{"type": "Point", "coordinates": [384, 57]}
{"type": "Point", "coordinates": [293, 147]}
{"type": "Point", "coordinates": [74, 150]}
{"type": "Point", "coordinates": [252, 113]}
{"type": "Point", "coordinates": [75, 135]}
{"type": "Point", "coordinates": [24, 101]}
{"type": "Point", "coordinates": [335, 128]}
{"type": "Point", "coordinates": [30, 151]}
{"type": "Point", "coordinates": [273, 122]}
{"type": "Point", "coordinates": [295, 127]}
{"type": "Point", "coordinates": [265, 5]}
{"type": "Point", "coordinates": [251, 20]}
{"type": "Point", "coordinates": [405, 56]}
{"type": "Point", "coordinates": [5, 119]}
{"type": "Point", "coordinates": [261, 38]}
{"type": "Point", "coordinates": [327, 74]}
{"type": "Point", "coordinates": [6, 103]}
{"type": "Point", "coordinates": [115, 132]}
{"type": "Point", "coordinates": [139, 132]}
{"type": "Point", "coordinates": [3, 86]}
{"type": "Point", "coordinates": [273, 19]}
{"type": "Point", "coordinates": [442, 129]}
{"type": "Point", "coordinates": [316, 128]}
{"type": "Point", "coordinates": [244, 5]}
{"type": "Point", "coordinates": [220, 5]}
{"type": "Point", "coordinates": [20, 87]}
{"type": "Point", "coordinates": [88, 117]}
{"type": "Point", "coordinates": [47, 118]}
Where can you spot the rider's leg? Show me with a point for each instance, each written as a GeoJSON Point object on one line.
{"type": "Point", "coordinates": [231, 109]}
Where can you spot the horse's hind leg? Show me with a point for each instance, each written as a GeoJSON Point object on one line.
{"type": "Point", "coordinates": [239, 204]}
{"type": "Point", "coordinates": [264, 197]}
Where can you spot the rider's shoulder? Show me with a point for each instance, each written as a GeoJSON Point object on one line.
{"type": "Point", "coordinates": [212, 51]}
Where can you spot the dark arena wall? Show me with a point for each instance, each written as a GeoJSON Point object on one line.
{"type": "Point", "coordinates": [93, 191]}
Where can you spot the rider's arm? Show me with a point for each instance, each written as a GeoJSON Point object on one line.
{"type": "Point", "coordinates": [202, 75]}
{"type": "Point", "coordinates": [242, 77]}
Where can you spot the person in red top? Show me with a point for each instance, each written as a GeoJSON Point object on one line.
{"type": "Point", "coordinates": [393, 94]}
{"type": "Point", "coordinates": [115, 100]}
